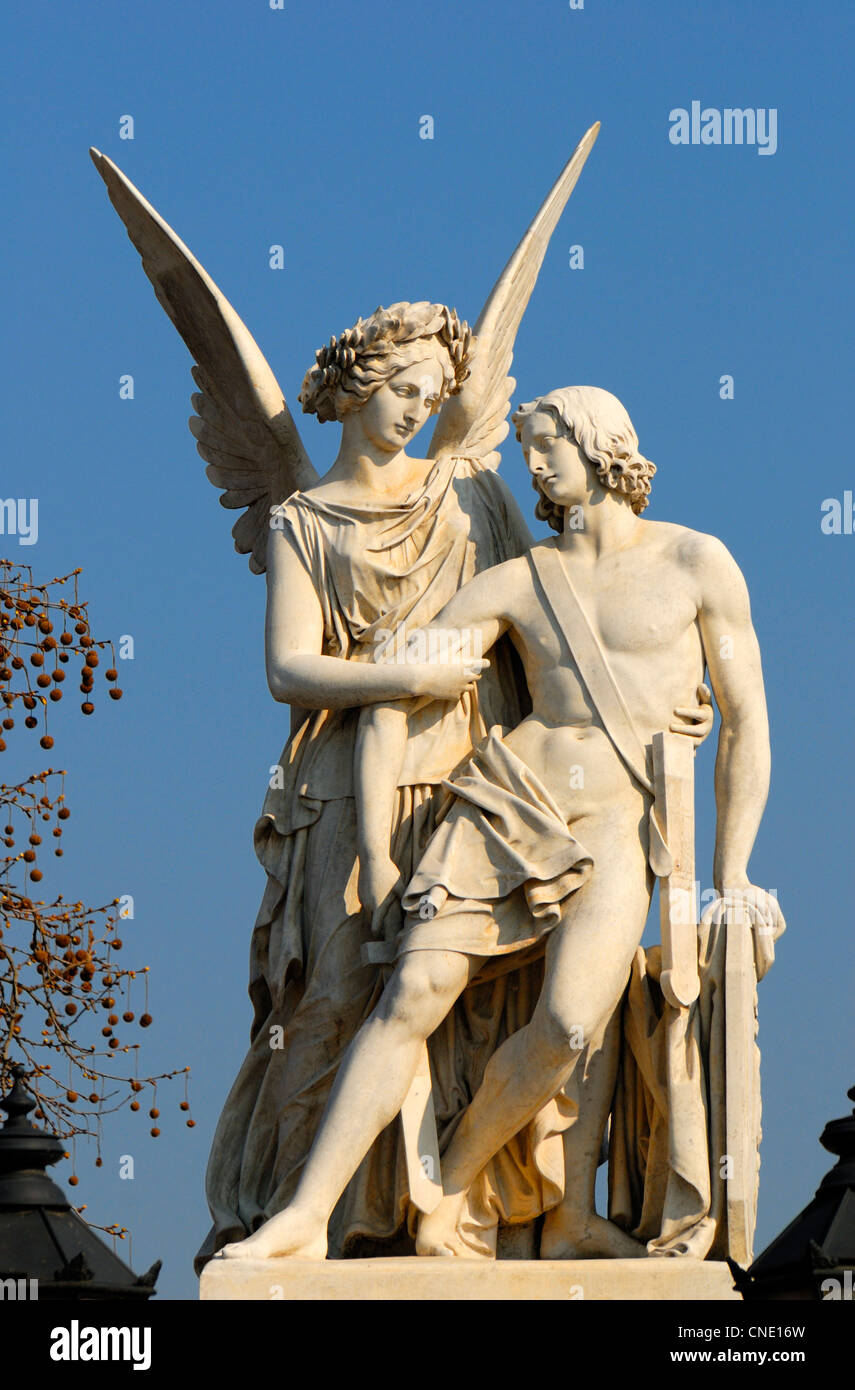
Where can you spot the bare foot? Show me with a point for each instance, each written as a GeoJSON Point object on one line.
{"type": "Point", "coordinates": [438, 1232]}
{"type": "Point", "coordinates": [586, 1236]}
{"type": "Point", "coordinates": [287, 1233]}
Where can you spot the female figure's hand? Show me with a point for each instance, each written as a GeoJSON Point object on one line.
{"type": "Point", "coordinates": [698, 719]}
{"type": "Point", "coordinates": [446, 680]}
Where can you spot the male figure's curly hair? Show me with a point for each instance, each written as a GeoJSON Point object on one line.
{"type": "Point", "coordinates": [351, 367]}
{"type": "Point", "coordinates": [601, 427]}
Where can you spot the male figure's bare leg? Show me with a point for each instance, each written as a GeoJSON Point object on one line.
{"type": "Point", "coordinates": [588, 957]}
{"type": "Point", "coordinates": [573, 1230]}
{"type": "Point", "coordinates": [372, 1081]}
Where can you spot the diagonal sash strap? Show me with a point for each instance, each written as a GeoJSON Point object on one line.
{"type": "Point", "coordinates": [593, 667]}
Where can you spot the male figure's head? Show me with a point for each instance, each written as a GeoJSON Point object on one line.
{"type": "Point", "coordinates": [579, 444]}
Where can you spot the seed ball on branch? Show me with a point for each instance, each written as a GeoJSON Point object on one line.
{"type": "Point", "coordinates": [145, 1020]}
{"type": "Point", "coordinates": [115, 693]}
{"type": "Point", "coordinates": [88, 707]}
{"type": "Point", "coordinates": [111, 673]}
{"type": "Point", "coordinates": [46, 741]}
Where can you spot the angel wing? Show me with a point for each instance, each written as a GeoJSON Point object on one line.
{"type": "Point", "coordinates": [243, 427]}
{"type": "Point", "coordinates": [474, 422]}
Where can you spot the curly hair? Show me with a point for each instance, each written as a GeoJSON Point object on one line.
{"type": "Point", "coordinates": [351, 367]}
{"type": "Point", "coordinates": [601, 427]}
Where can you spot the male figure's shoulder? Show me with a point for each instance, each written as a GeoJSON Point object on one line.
{"type": "Point", "coordinates": [709, 569]}
{"type": "Point", "coordinates": [502, 589]}
{"type": "Point", "coordinates": [698, 553]}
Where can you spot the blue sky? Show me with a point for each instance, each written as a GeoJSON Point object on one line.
{"type": "Point", "coordinates": [301, 127]}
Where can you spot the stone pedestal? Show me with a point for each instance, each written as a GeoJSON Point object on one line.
{"type": "Point", "coordinates": [410, 1278]}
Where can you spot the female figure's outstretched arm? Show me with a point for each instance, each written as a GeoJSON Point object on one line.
{"type": "Point", "coordinates": [297, 671]}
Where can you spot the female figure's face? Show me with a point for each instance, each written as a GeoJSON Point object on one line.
{"type": "Point", "coordinates": [398, 409]}
{"type": "Point", "coordinates": [556, 461]}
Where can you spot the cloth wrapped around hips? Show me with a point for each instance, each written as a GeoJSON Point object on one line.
{"type": "Point", "coordinates": [500, 864]}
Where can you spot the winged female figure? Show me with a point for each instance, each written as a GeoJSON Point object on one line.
{"type": "Point", "coordinates": [376, 546]}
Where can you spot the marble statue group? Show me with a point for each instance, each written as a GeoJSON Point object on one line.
{"type": "Point", "coordinates": [488, 771]}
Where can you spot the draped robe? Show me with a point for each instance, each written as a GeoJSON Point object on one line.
{"type": "Point", "coordinates": [376, 568]}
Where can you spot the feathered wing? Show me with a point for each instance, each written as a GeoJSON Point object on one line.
{"type": "Point", "coordinates": [474, 422]}
{"type": "Point", "coordinates": [243, 427]}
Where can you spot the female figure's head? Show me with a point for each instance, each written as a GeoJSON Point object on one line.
{"type": "Point", "coordinates": [596, 428]}
{"type": "Point", "coordinates": [394, 368]}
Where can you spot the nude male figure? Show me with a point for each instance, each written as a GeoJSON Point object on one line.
{"type": "Point", "coordinates": [661, 600]}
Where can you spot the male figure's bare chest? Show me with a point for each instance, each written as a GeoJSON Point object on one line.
{"type": "Point", "coordinates": [638, 601]}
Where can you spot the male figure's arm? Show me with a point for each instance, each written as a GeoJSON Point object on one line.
{"type": "Point", "coordinates": [381, 742]}
{"type": "Point", "coordinates": [743, 760]}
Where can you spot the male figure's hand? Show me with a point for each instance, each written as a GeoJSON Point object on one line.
{"type": "Point", "coordinates": [380, 889]}
{"type": "Point", "coordinates": [760, 909]}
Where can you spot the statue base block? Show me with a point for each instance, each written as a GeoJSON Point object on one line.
{"type": "Point", "coordinates": [658, 1279]}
